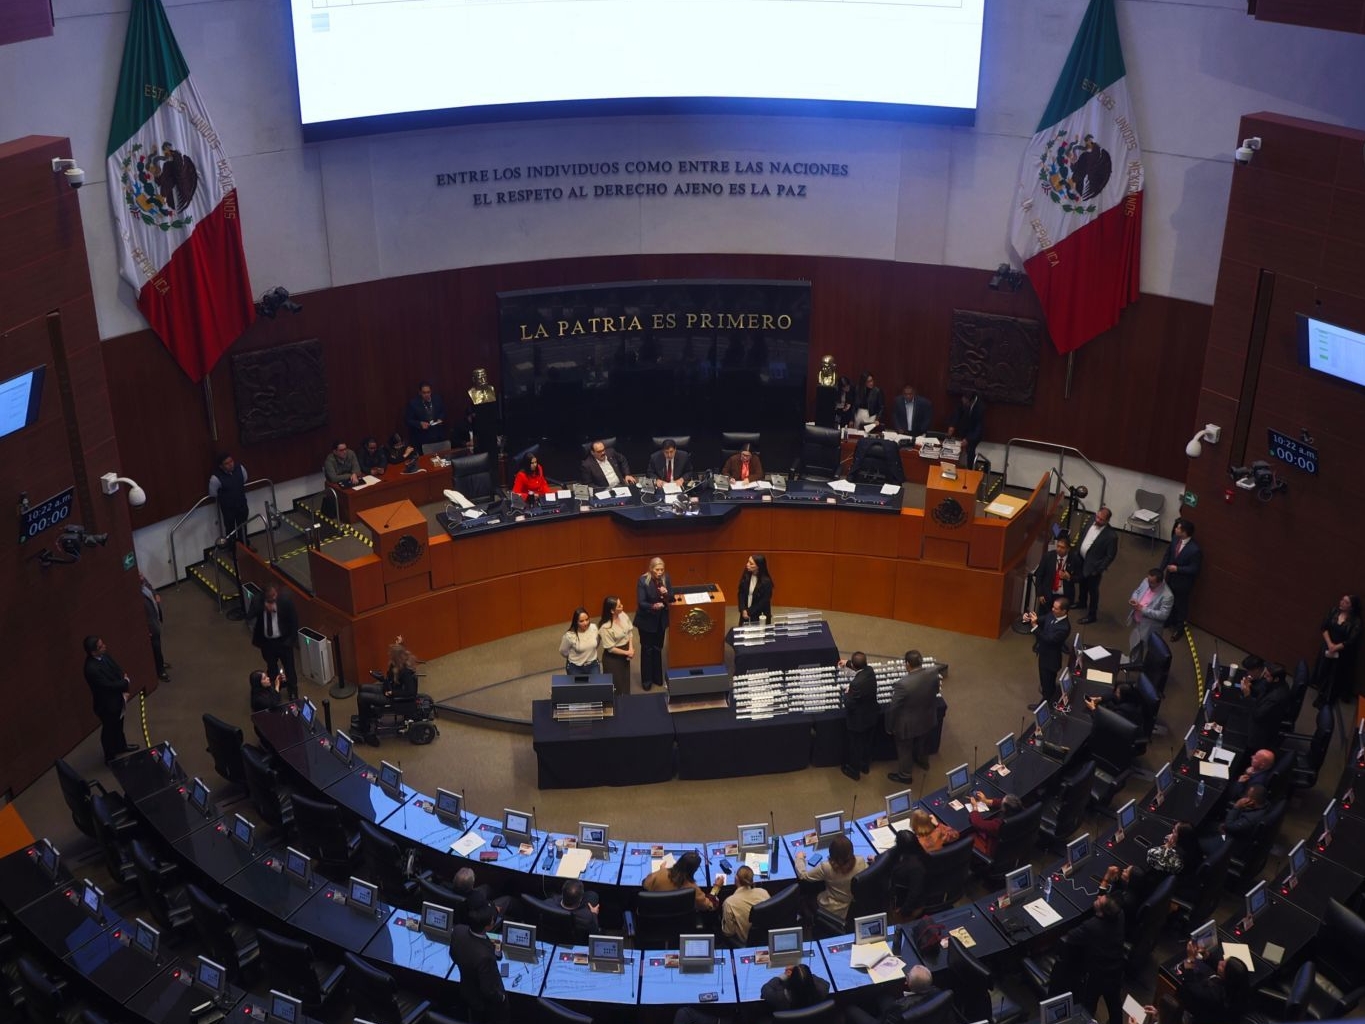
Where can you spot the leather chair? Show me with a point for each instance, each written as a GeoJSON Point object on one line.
{"type": "Point", "coordinates": [1308, 750]}
{"type": "Point", "coordinates": [1156, 661]}
{"type": "Point", "coordinates": [76, 792]}
{"type": "Point", "coordinates": [116, 859]}
{"type": "Point", "coordinates": [871, 887]}
{"type": "Point", "coordinates": [385, 864]}
{"type": "Point", "coordinates": [683, 441]}
{"type": "Point", "coordinates": [1197, 895]}
{"type": "Point", "coordinates": [821, 450]}
{"type": "Point", "coordinates": [553, 922]}
{"type": "Point", "coordinates": [1280, 784]}
{"type": "Point", "coordinates": [974, 993]}
{"type": "Point", "coordinates": [1064, 812]}
{"type": "Point", "coordinates": [1013, 846]}
{"type": "Point", "coordinates": [431, 891]}
{"type": "Point", "coordinates": [607, 442]}
{"type": "Point", "coordinates": [1249, 859]}
{"type": "Point", "coordinates": [374, 995]}
{"type": "Point", "coordinates": [824, 1012]}
{"type": "Point", "coordinates": [782, 910]}
{"type": "Point", "coordinates": [45, 999]}
{"type": "Point", "coordinates": [225, 746]}
{"type": "Point", "coordinates": [273, 802]}
{"type": "Point", "coordinates": [946, 874]}
{"type": "Point", "coordinates": [1148, 924]}
{"type": "Point", "coordinates": [1331, 984]}
{"type": "Point", "coordinates": [660, 917]}
{"type": "Point", "coordinates": [937, 1009]}
{"type": "Point", "coordinates": [549, 1010]}
{"type": "Point", "coordinates": [876, 461]}
{"type": "Point", "coordinates": [156, 883]}
{"type": "Point", "coordinates": [323, 835]}
{"type": "Point", "coordinates": [227, 941]}
{"type": "Point", "coordinates": [733, 442]}
{"type": "Point", "coordinates": [1298, 689]}
{"type": "Point", "coordinates": [292, 968]}
{"type": "Point", "coordinates": [472, 476]}
{"type": "Point", "coordinates": [1113, 745]}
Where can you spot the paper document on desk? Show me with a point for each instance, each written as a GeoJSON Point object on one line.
{"type": "Point", "coordinates": [1222, 755]}
{"type": "Point", "coordinates": [1096, 653]}
{"type": "Point", "coordinates": [472, 513]}
{"type": "Point", "coordinates": [671, 487]}
{"type": "Point", "coordinates": [365, 481]}
{"type": "Point", "coordinates": [891, 968]}
{"type": "Point", "coordinates": [882, 838]}
{"type": "Point", "coordinates": [1001, 508]}
{"type": "Point", "coordinates": [466, 844]}
{"type": "Point", "coordinates": [573, 862]}
{"type": "Point", "coordinates": [1041, 912]}
{"type": "Point", "coordinates": [868, 954]}
{"type": "Point", "coordinates": [666, 861]}
{"type": "Point", "coordinates": [743, 485]}
{"type": "Point", "coordinates": [842, 486]}
{"type": "Point", "coordinates": [457, 499]}
{"type": "Point", "coordinates": [890, 489]}
{"type": "Point", "coordinates": [1096, 675]}
{"type": "Point", "coordinates": [758, 862]}
{"type": "Point", "coordinates": [1238, 951]}
{"type": "Point", "coordinates": [702, 598]}
{"type": "Point", "coordinates": [1213, 769]}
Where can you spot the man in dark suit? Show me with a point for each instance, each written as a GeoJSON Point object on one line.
{"type": "Point", "coordinates": [151, 605]}
{"type": "Point", "coordinates": [604, 467]}
{"type": "Point", "coordinates": [1239, 824]}
{"type": "Point", "coordinates": [227, 484]}
{"type": "Point", "coordinates": [968, 425]}
{"type": "Point", "coordinates": [1184, 558]}
{"type": "Point", "coordinates": [860, 710]}
{"type": "Point", "coordinates": [913, 413]}
{"type": "Point", "coordinates": [1257, 773]}
{"type": "Point", "coordinates": [480, 983]}
{"type": "Point", "coordinates": [1049, 641]}
{"type": "Point", "coordinates": [425, 416]}
{"type": "Point", "coordinates": [1057, 573]}
{"type": "Point", "coordinates": [669, 464]}
{"type": "Point", "coordinates": [274, 633]}
{"type": "Point", "coordinates": [1271, 697]}
{"type": "Point", "coordinates": [1098, 548]}
{"type": "Point", "coordinates": [1092, 960]}
{"type": "Point", "coordinates": [912, 715]}
{"type": "Point", "coordinates": [109, 690]}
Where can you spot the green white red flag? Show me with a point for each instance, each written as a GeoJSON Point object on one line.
{"type": "Point", "coordinates": [174, 201]}
{"type": "Point", "coordinates": [1076, 226]}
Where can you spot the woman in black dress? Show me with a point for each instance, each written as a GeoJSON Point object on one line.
{"type": "Point", "coordinates": [755, 593]}
{"type": "Point", "coordinates": [1336, 657]}
{"type": "Point", "coordinates": [265, 692]}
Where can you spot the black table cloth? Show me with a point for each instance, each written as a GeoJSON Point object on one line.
{"type": "Point", "coordinates": [633, 746]}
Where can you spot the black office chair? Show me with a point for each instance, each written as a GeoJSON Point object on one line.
{"type": "Point", "coordinates": [77, 791]}
{"type": "Point", "coordinates": [386, 865]}
{"type": "Point", "coordinates": [115, 853]}
{"type": "Point", "coordinates": [166, 900]}
{"type": "Point", "coordinates": [782, 910]}
{"type": "Point", "coordinates": [226, 940]}
{"type": "Point", "coordinates": [323, 835]}
{"type": "Point", "coordinates": [937, 1009]}
{"type": "Point", "coordinates": [1308, 750]}
{"type": "Point", "coordinates": [1196, 896]}
{"type": "Point", "coordinates": [553, 922]}
{"type": "Point", "coordinates": [1298, 689]}
{"type": "Point", "coordinates": [431, 891]}
{"type": "Point", "coordinates": [946, 873]}
{"type": "Point", "coordinates": [225, 746]}
{"type": "Point", "coordinates": [292, 968]}
{"type": "Point", "coordinates": [876, 461]}
{"type": "Point", "coordinates": [683, 441]}
{"type": "Point", "coordinates": [607, 442]}
{"type": "Point", "coordinates": [1064, 812]}
{"type": "Point", "coordinates": [375, 996]}
{"type": "Point", "coordinates": [824, 1012]}
{"type": "Point", "coordinates": [733, 442]}
{"type": "Point", "coordinates": [472, 476]}
{"type": "Point", "coordinates": [1331, 984]}
{"type": "Point", "coordinates": [821, 451]}
{"type": "Point", "coordinates": [1013, 845]}
{"type": "Point", "coordinates": [1148, 924]}
{"type": "Point", "coordinates": [1156, 661]}
{"type": "Point", "coordinates": [45, 999]}
{"type": "Point", "coordinates": [1113, 745]}
{"type": "Point", "coordinates": [973, 986]}
{"type": "Point", "coordinates": [555, 1013]}
{"type": "Point", "coordinates": [1249, 859]}
{"type": "Point", "coordinates": [273, 802]}
{"type": "Point", "coordinates": [871, 887]}
{"type": "Point", "coordinates": [660, 917]}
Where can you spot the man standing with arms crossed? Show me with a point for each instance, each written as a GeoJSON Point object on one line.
{"type": "Point", "coordinates": [1099, 548]}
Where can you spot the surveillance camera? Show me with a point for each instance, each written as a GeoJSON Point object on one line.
{"type": "Point", "coordinates": [1247, 149]}
{"type": "Point", "coordinates": [75, 177]}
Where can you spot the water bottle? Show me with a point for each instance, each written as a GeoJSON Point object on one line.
{"type": "Point", "coordinates": [1047, 886]}
{"type": "Point", "coordinates": [1199, 791]}
{"type": "Point", "coordinates": [1218, 740]}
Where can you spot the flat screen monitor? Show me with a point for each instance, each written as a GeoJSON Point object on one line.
{"type": "Point", "coordinates": [753, 838]}
{"type": "Point", "coordinates": [199, 796]}
{"type": "Point", "coordinates": [1164, 778]}
{"type": "Point", "coordinates": [343, 748]}
{"type": "Point", "coordinates": [168, 759]}
{"type": "Point", "coordinates": [1077, 850]}
{"type": "Point", "coordinates": [21, 398]}
{"type": "Point", "coordinates": [899, 805]}
{"type": "Point", "coordinates": [285, 1008]}
{"type": "Point", "coordinates": [49, 859]}
{"type": "Point", "coordinates": [1055, 1010]}
{"type": "Point", "coordinates": [827, 826]}
{"type": "Point", "coordinates": [1256, 899]}
{"type": "Point", "coordinates": [517, 826]}
{"type": "Point", "coordinates": [146, 939]}
{"type": "Point", "coordinates": [785, 946]}
{"type": "Point", "coordinates": [1019, 881]}
{"type": "Point", "coordinates": [1066, 682]}
{"type": "Point", "coordinates": [1205, 937]}
{"type": "Point", "coordinates": [449, 807]}
{"type": "Point", "coordinates": [1042, 714]}
{"type": "Point", "coordinates": [595, 838]}
{"type": "Point", "coordinates": [696, 952]}
{"type": "Point", "coordinates": [519, 941]}
{"type": "Point", "coordinates": [437, 921]}
{"type": "Point", "coordinates": [243, 831]}
{"type": "Point", "coordinates": [1332, 350]}
{"type": "Point", "coordinates": [1191, 742]}
{"type": "Point", "coordinates": [391, 779]}
{"type": "Point", "coordinates": [92, 900]}
{"type": "Point", "coordinates": [1127, 814]}
{"type": "Point", "coordinates": [1329, 817]}
{"type": "Point", "coordinates": [308, 712]}
{"type": "Point", "coordinates": [1298, 858]}
{"type": "Point", "coordinates": [298, 867]}
{"type": "Point", "coordinates": [362, 895]}
{"type": "Point", "coordinates": [959, 781]}
{"type": "Point", "coordinates": [1005, 749]}
{"type": "Point", "coordinates": [1208, 704]}
{"type": "Point", "coordinates": [210, 977]}
{"type": "Point", "coordinates": [869, 928]}
{"type": "Point", "coordinates": [606, 953]}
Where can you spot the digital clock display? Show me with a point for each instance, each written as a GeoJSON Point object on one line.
{"type": "Point", "coordinates": [45, 515]}
{"type": "Point", "coordinates": [1296, 453]}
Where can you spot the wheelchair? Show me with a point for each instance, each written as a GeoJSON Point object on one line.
{"type": "Point", "coordinates": [412, 717]}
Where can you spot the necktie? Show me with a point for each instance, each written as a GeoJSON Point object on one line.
{"type": "Point", "coordinates": [271, 631]}
{"type": "Point", "coordinates": [744, 471]}
{"type": "Point", "coordinates": [668, 472]}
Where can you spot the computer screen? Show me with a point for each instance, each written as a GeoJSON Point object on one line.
{"type": "Point", "coordinates": [92, 899]}
{"type": "Point", "coordinates": [606, 947]}
{"type": "Point", "coordinates": [362, 894]}
{"type": "Point", "coordinates": [899, 805]}
{"type": "Point", "coordinates": [298, 866]}
{"type": "Point", "coordinates": [1205, 936]}
{"type": "Point", "coordinates": [285, 1008]}
{"type": "Point", "coordinates": [342, 747]}
{"type": "Point", "coordinates": [308, 712]}
{"type": "Point", "coordinates": [697, 947]}
{"type": "Point", "coordinates": [1127, 815]}
{"type": "Point", "coordinates": [753, 837]}
{"type": "Point", "coordinates": [48, 858]}
{"type": "Point", "coordinates": [870, 928]}
{"type": "Point", "coordinates": [168, 758]}
{"type": "Point", "coordinates": [242, 830]}
{"type": "Point", "coordinates": [1042, 714]}
{"type": "Point", "coordinates": [1329, 817]}
{"type": "Point", "coordinates": [593, 835]}
{"type": "Point", "coordinates": [448, 805]}
{"type": "Point", "coordinates": [1006, 748]}
{"type": "Point", "coordinates": [1257, 897]}
{"type": "Point", "coordinates": [784, 940]}
{"type": "Point", "coordinates": [21, 398]}
{"type": "Point", "coordinates": [146, 938]}
{"type": "Point", "coordinates": [829, 824]}
{"type": "Point", "coordinates": [518, 936]}
{"type": "Point", "coordinates": [959, 780]}
{"type": "Point", "coordinates": [1019, 880]}
{"type": "Point", "coordinates": [437, 918]}
{"type": "Point", "coordinates": [516, 822]}
{"type": "Point", "coordinates": [199, 796]}
{"type": "Point", "coordinates": [1078, 849]}
{"type": "Point", "coordinates": [1067, 682]}
{"type": "Point", "coordinates": [1191, 741]}
{"type": "Point", "coordinates": [1298, 857]}
{"type": "Point", "coordinates": [1056, 1009]}
{"type": "Point", "coordinates": [390, 777]}
{"type": "Point", "coordinates": [1164, 778]}
{"type": "Point", "coordinates": [210, 976]}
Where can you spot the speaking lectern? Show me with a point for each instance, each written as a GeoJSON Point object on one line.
{"type": "Point", "coordinates": [696, 629]}
{"type": "Point", "coordinates": [402, 542]}
{"type": "Point", "coordinates": [949, 510]}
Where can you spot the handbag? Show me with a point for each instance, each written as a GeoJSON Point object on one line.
{"type": "Point", "coordinates": [928, 935]}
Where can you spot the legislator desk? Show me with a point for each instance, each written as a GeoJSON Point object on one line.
{"type": "Point", "coordinates": [110, 963]}
{"type": "Point", "coordinates": [141, 774]}
{"type": "Point", "coordinates": [59, 923]}
{"type": "Point", "coordinates": [795, 843]}
{"type": "Point", "coordinates": [1148, 830]}
{"type": "Point", "coordinates": [570, 981]}
{"type": "Point", "coordinates": [753, 971]}
{"type": "Point", "coordinates": [1322, 881]}
{"type": "Point", "coordinates": [214, 850]}
{"type": "Point", "coordinates": [599, 875]}
{"type": "Point", "coordinates": [1027, 775]}
{"type": "Point", "coordinates": [328, 919]}
{"type": "Point", "coordinates": [316, 762]}
{"type": "Point", "coordinates": [640, 858]}
{"type": "Point", "coordinates": [421, 827]}
{"type": "Point", "coordinates": [360, 793]}
{"type": "Point", "coordinates": [1279, 922]}
{"type": "Point", "coordinates": [1347, 840]}
{"type": "Point", "coordinates": [508, 857]}
{"type": "Point", "coordinates": [524, 977]}
{"type": "Point", "coordinates": [170, 998]}
{"type": "Point", "coordinates": [23, 880]}
{"type": "Point", "coordinates": [785, 651]}
{"type": "Point", "coordinates": [408, 952]}
{"type": "Point", "coordinates": [264, 885]}
{"type": "Point", "coordinates": [632, 746]}
{"type": "Point", "coordinates": [986, 939]}
{"type": "Point", "coordinates": [422, 487]}
{"type": "Point", "coordinates": [779, 874]}
{"type": "Point", "coordinates": [661, 985]}
{"type": "Point", "coordinates": [1183, 801]}
{"type": "Point", "coordinates": [843, 976]}
{"type": "Point", "coordinates": [282, 728]}
{"type": "Point", "coordinates": [1019, 927]}
{"type": "Point", "coordinates": [170, 813]}
{"type": "Point", "coordinates": [714, 744]}
{"type": "Point", "coordinates": [938, 804]}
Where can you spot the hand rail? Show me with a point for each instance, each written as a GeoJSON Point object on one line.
{"type": "Point", "coordinates": [209, 499]}
{"type": "Point", "coordinates": [1061, 451]}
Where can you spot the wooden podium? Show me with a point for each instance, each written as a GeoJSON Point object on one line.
{"type": "Point", "coordinates": [949, 509]}
{"type": "Point", "coordinates": [402, 542]}
{"type": "Point", "coordinates": [696, 632]}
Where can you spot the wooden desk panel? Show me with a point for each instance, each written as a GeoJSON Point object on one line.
{"type": "Point", "coordinates": [867, 533]}
{"type": "Point", "coordinates": [418, 488]}
{"type": "Point", "coordinates": [798, 529]}
{"type": "Point", "coordinates": [864, 585]}
{"type": "Point", "coordinates": [912, 533]}
{"type": "Point", "coordinates": [611, 576]}
{"type": "Point", "coordinates": [552, 593]}
{"type": "Point", "coordinates": [987, 543]}
{"type": "Point", "coordinates": [803, 580]}
{"type": "Point", "coordinates": [488, 555]}
{"type": "Point", "coordinates": [354, 587]}
{"type": "Point", "coordinates": [951, 598]}
{"type": "Point", "coordinates": [491, 610]}
{"type": "Point", "coordinates": [602, 535]}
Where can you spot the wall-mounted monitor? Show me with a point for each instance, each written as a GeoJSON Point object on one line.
{"type": "Point", "coordinates": [21, 400]}
{"type": "Point", "coordinates": [1332, 350]}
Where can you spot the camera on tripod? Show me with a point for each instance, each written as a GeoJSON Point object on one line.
{"type": "Point", "coordinates": [74, 538]}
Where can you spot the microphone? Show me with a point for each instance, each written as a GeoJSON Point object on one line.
{"type": "Point", "coordinates": [772, 825]}
{"type": "Point", "coordinates": [976, 763]}
{"type": "Point", "coordinates": [462, 805]}
{"type": "Point", "coordinates": [533, 821]}
{"type": "Point", "coordinates": [853, 815]}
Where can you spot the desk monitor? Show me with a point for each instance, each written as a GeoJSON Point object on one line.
{"type": "Point", "coordinates": [146, 940]}
{"type": "Point", "coordinates": [1329, 817]}
{"type": "Point", "coordinates": [285, 1008]}
{"type": "Point", "coordinates": [827, 826]}
{"type": "Point", "coordinates": [1208, 704]}
{"type": "Point", "coordinates": [1066, 682]}
{"type": "Point", "coordinates": [1042, 714]}
{"type": "Point", "coordinates": [1191, 742]}
{"type": "Point", "coordinates": [607, 953]}
{"type": "Point", "coordinates": [753, 838]}
{"type": "Point", "coordinates": [92, 900]}
{"type": "Point", "coordinates": [363, 896]}
{"type": "Point", "coordinates": [343, 747]}
{"type": "Point", "coordinates": [696, 952]}
{"type": "Point", "coordinates": [49, 859]}
{"type": "Point", "coordinates": [1205, 937]}
{"type": "Point", "coordinates": [1055, 1010]}
{"type": "Point", "coordinates": [1019, 881]}
{"type": "Point", "coordinates": [519, 941]}
{"type": "Point", "coordinates": [1257, 898]}
{"type": "Point", "coordinates": [1077, 850]}
{"type": "Point", "coordinates": [1164, 779]}
{"type": "Point", "coordinates": [869, 928]}
{"type": "Point", "coordinates": [298, 867]}
{"type": "Point", "coordinates": [1298, 858]}
{"type": "Point", "coordinates": [391, 779]}
{"type": "Point", "coordinates": [517, 826]}
{"type": "Point", "coordinates": [210, 977]}
{"type": "Point", "coordinates": [1005, 749]}
{"type": "Point", "coordinates": [898, 806]}
{"type": "Point", "coordinates": [450, 807]}
{"type": "Point", "coordinates": [595, 838]}
{"type": "Point", "coordinates": [243, 831]}
{"type": "Point", "coordinates": [308, 712]}
{"type": "Point", "coordinates": [1127, 815]}
{"type": "Point", "coordinates": [437, 921]}
{"type": "Point", "coordinates": [785, 947]}
{"type": "Point", "coordinates": [199, 796]}
{"type": "Point", "coordinates": [959, 781]}
{"type": "Point", "coordinates": [166, 757]}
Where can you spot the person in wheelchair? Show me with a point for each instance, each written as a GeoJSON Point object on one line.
{"type": "Point", "coordinates": [399, 683]}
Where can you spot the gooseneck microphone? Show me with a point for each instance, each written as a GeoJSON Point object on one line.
{"type": "Point", "coordinates": [852, 815]}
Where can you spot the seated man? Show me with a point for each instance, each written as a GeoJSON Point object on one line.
{"type": "Point", "coordinates": [605, 468]}
{"type": "Point", "coordinates": [1258, 772]}
{"type": "Point", "coordinates": [341, 467]}
{"type": "Point", "coordinates": [1239, 824]}
{"type": "Point", "coordinates": [1271, 699]}
{"type": "Point", "coordinates": [670, 463]}
{"type": "Point", "coordinates": [478, 897]}
{"type": "Point", "coordinates": [987, 827]}
{"type": "Point", "coordinates": [583, 905]}
{"type": "Point", "coordinates": [1126, 700]}
{"type": "Point", "coordinates": [919, 988]}
{"type": "Point", "coordinates": [373, 459]}
{"type": "Point", "coordinates": [734, 912]}
{"type": "Point", "coordinates": [743, 466]}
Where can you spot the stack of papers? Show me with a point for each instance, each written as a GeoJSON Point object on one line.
{"type": "Point", "coordinates": [458, 499]}
{"type": "Point", "coordinates": [842, 486]}
{"type": "Point", "coordinates": [867, 954]}
{"type": "Point", "coordinates": [1044, 914]}
{"type": "Point", "coordinates": [702, 598]}
{"type": "Point", "coordinates": [573, 862]}
{"type": "Point", "coordinates": [1146, 515]}
{"type": "Point", "coordinates": [1238, 951]}
{"type": "Point", "coordinates": [883, 838]}
{"type": "Point", "coordinates": [889, 489]}
{"type": "Point", "coordinates": [1213, 769]}
{"type": "Point", "coordinates": [666, 861]}
{"type": "Point", "coordinates": [466, 844]}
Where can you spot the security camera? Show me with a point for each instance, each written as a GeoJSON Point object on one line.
{"type": "Point", "coordinates": [1248, 149]}
{"type": "Point", "coordinates": [75, 177]}
{"type": "Point", "coordinates": [77, 533]}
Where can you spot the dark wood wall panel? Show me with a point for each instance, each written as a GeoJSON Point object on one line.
{"type": "Point", "coordinates": [1273, 568]}
{"type": "Point", "coordinates": [1339, 15]}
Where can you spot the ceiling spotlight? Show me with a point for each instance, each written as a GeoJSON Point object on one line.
{"type": "Point", "coordinates": [274, 300]}
{"type": "Point", "coordinates": [1211, 432]}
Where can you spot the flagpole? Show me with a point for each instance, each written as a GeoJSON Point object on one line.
{"type": "Point", "coordinates": [1066, 391]}
{"type": "Point", "coordinates": [208, 409]}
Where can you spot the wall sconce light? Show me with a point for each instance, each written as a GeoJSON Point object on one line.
{"type": "Point", "coordinates": [1211, 432]}
{"type": "Point", "coordinates": [109, 484]}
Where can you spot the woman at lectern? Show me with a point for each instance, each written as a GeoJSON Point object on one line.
{"type": "Point", "coordinates": [755, 591]}
{"type": "Point", "coordinates": [653, 594]}
{"type": "Point", "coordinates": [615, 642]}
{"type": "Point", "coordinates": [579, 644]}
{"type": "Point", "coordinates": [530, 478]}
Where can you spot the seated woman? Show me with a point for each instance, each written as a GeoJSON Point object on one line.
{"type": "Point", "coordinates": [794, 989]}
{"type": "Point", "coordinates": [932, 834]}
{"type": "Point", "coordinates": [400, 683]}
{"type": "Point", "coordinates": [530, 479]}
{"type": "Point", "coordinates": [679, 876]}
{"type": "Point", "coordinates": [836, 871]}
{"type": "Point", "coordinates": [265, 692]}
{"type": "Point", "coordinates": [755, 593]}
{"type": "Point", "coordinates": [1179, 852]}
{"type": "Point", "coordinates": [907, 877]}
{"type": "Point", "coordinates": [1215, 995]}
{"type": "Point", "coordinates": [398, 451]}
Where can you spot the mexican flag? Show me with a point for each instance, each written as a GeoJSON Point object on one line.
{"type": "Point", "coordinates": [1076, 227]}
{"type": "Point", "coordinates": [174, 201]}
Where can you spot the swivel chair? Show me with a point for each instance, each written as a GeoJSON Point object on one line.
{"type": "Point", "coordinates": [607, 442]}
{"type": "Point", "coordinates": [228, 942]}
{"type": "Point", "coordinates": [683, 441]}
{"type": "Point", "coordinates": [820, 456]}
{"type": "Point", "coordinates": [1064, 812]}
{"type": "Point", "coordinates": [374, 995]}
{"type": "Point", "coordinates": [166, 900]}
{"type": "Point", "coordinates": [946, 873]}
{"type": "Point", "coordinates": [1013, 845]}
{"type": "Point", "coordinates": [660, 917]}
{"type": "Point", "coordinates": [116, 859]}
{"type": "Point", "coordinates": [225, 746]}
{"type": "Point", "coordinates": [556, 1013]}
{"type": "Point", "coordinates": [1331, 984]}
{"type": "Point", "coordinates": [431, 891]}
{"type": "Point", "coordinates": [1249, 859]}
{"type": "Point", "coordinates": [292, 968]}
{"type": "Point", "coordinates": [733, 442]}
{"type": "Point", "coordinates": [472, 476]}
{"type": "Point", "coordinates": [871, 887]}
{"type": "Point", "coordinates": [553, 922]}
{"type": "Point", "coordinates": [937, 1009]}
{"type": "Point", "coordinates": [323, 835]}
{"type": "Point", "coordinates": [45, 999]}
{"type": "Point", "coordinates": [1113, 745]}
{"type": "Point", "coordinates": [386, 865]}
{"type": "Point", "coordinates": [271, 799]}
{"type": "Point", "coordinates": [1196, 896]}
{"type": "Point", "coordinates": [974, 993]}
{"type": "Point", "coordinates": [1308, 751]}
{"type": "Point", "coordinates": [876, 461]}
{"type": "Point", "coordinates": [1148, 923]}
{"type": "Point", "coordinates": [824, 1012]}
{"type": "Point", "coordinates": [76, 792]}
{"type": "Point", "coordinates": [782, 910]}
